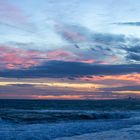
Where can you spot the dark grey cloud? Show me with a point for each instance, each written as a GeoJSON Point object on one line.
{"type": "Point", "coordinates": [134, 49]}
{"type": "Point", "coordinates": [21, 85]}
{"type": "Point", "coordinates": [133, 57]}
{"type": "Point", "coordinates": [128, 23]}
{"type": "Point", "coordinates": [105, 38]}
{"type": "Point", "coordinates": [62, 69]}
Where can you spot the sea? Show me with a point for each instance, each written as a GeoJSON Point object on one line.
{"type": "Point", "coordinates": [53, 119]}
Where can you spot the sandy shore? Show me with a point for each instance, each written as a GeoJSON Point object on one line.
{"type": "Point", "coordinates": [132, 133]}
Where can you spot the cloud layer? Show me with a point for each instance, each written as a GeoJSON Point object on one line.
{"type": "Point", "coordinates": [70, 69]}
{"type": "Point", "coordinates": [69, 44]}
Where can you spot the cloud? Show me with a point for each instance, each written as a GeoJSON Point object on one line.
{"type": "Point", "coordinates": [90, 47]}
{"type": "Point", "coordinates": [133, 57]}
{"type": "Point", "coordinates": [114, 48]}
{"type": "Point", "coordinates": [16, 58]}
{"type": "Point", "coordinates": [81, 34]}
{"type": "Point", "coordinates": [119, 80]}
{"type": "Point", "coordinates": [134, 48]}
{"type": "Point", "coordinates": [32, 92]}
{"type": "Point", "coordinates": [72, 33]}
{"type": "Point", "coordinates": [21, 85]}
{"type": "Point", "coordinates": [122, 88]}
{"type": "Point", "coordinates": [93, 48]}
{"type": "Point", "coordinates": [92, 43]}
{"type": "Point", "coordinates": [61, 69]}
{"type": "Point", "coordinates": [128, 23]}
{"type": "Point", "coordinates": [60, 54]}
{"type": "Point", "coordinates": [11, 13]}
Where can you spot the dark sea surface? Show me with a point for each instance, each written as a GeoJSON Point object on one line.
{"type": "Point", "coordinates": [50, 119]}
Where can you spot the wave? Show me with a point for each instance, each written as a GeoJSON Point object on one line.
{"type": "Point", "coordinates": [130, 133]}
{"type": "Point", "coordinates": [32, 116]}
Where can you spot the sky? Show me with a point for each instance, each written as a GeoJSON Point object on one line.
{"type": "Point", "coordinates": [75, 49]}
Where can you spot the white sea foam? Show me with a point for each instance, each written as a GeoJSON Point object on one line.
{"type": "Point", "coordinates": [132, 133]}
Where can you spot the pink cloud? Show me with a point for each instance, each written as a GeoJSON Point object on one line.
{"type": "Point", "coordinates": [70, 34]}
{"type": "Point", "coordinates": [15, 58]}
{"type": "Point", "coordinates": [61, 55]}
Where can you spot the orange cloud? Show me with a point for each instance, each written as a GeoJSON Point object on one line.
{"type": "Point", "coordinates": [135, 77]}
{"type": "Point", "coordinates": [115, 80]}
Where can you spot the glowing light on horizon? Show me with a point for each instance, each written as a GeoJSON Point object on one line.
{"type": "Point", "coordinates": [78, 86]}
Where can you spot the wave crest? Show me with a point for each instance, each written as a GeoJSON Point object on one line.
{"type": "Point", "coordinates": [22, 116]}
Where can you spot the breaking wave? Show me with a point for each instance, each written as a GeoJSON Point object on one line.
{"type": "Point", "coordinates": [36, 116]}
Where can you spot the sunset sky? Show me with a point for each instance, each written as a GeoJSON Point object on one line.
{"type": "Point", "coordinates": [60, 49]}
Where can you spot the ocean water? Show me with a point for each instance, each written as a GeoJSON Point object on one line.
{"type": "Point", "coordinates": [51, 119]}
